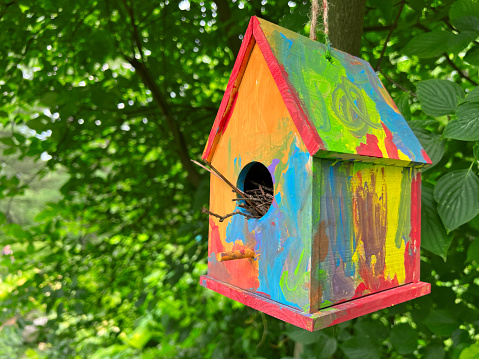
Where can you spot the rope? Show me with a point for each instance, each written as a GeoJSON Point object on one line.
{"type": "Point", "coordinates": [314, 19]}
{"type": "Point", "coordinates": [315, 13]}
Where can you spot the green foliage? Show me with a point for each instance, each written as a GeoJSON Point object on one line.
{"type": "Point", "coordinates": [104, 103]}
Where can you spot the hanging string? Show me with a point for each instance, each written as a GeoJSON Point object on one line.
{"type": "Point", "coordinates": [315, 13]}
{"type": "Point", "coordinates": [314, 19]}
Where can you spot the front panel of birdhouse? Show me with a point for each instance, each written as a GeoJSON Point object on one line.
{"type": "Point", "coordinates": [260, 130]}
{"type": "Point", "coordinates": [367, 228]}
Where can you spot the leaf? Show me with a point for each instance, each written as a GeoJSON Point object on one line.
{"type": "Point", "coordinates": [50, 99]}
{"type": "Point", "coordinates": [472, 56]}
{"type": "Point", "coordinates": [471, 352]}
{"type": "Point", "coordinates": [429, 45]}
{"type": "Point", "coordinates": [404, 338]}
{"type": "Point", "coordinates": [403, 106]}
{"type": "Point", "coordinates": [467, 23]}
{"type": "Point", "coordinates": [328, 346]}
{"type": "Point", "coordinates": [473, 95]}
{"type": "Point", "coordinates": [360, 348]}
{"type": "Point", "coordinates": [473, 251]}
{"type": "Point", "coordinates": [438, 97]}
{"type": "Point", "coordinates": [431, 142]}
{"type": "Point", "coordinates": [466, 126]}
{"type": "Point", "coordinates": [434, 351]}
{"type": "Point", "coordinates": [475, 150]}
{"type": "Point", "coordinates": [441, 322]}
{"type": "Point", "coordinates": [457, 195]}
{"type": "Point", "coordinates": [3, 218]}
{"type": "Point", "coordinates": [433, 235]}
{"type": "Point", "coordinates": [463, 8]}
{"type": "Point", "coordinates": [386, 7]}
{"type": "Point", "coordinates": [303, 336]}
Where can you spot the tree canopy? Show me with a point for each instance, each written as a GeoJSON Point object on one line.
{"type": "Point", "coordinates": [104, 103]}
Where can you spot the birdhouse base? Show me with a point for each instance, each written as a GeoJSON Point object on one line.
{"type": "Point", "coordinates": [326, 317]}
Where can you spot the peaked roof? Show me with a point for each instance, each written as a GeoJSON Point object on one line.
{"type": "Point", "coordinates": [337, 106]}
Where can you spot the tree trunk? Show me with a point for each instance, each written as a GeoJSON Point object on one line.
{"type": "Point", "coordinates": [345, 20]}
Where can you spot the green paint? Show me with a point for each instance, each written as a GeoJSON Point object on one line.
{"type": "Point", "coordinates": [404, 220]}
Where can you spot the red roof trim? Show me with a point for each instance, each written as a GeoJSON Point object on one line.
{"type": "Point", "coordinates": [231, 90]}
{"type": "Point", "coordinates": [306, 129]}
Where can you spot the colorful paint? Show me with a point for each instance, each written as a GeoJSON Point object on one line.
{"type": "Point", "coordinates": [364, 226]}
{"type": "Point", "coordinates": [343, 229]}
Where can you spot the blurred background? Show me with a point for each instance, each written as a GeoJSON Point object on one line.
{"type": "Point", "coordinates": [103, 105]}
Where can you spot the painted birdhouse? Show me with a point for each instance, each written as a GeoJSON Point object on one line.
{"type": "Point", "coordinates": [341, 237]}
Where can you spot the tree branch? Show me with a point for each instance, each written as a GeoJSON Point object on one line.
{"type": "Point", "coordinates": [143, 71]}
{"type": "Point", "coordinates": [391, 30]}
{"type": "Point", "coordinates": [459, 71]}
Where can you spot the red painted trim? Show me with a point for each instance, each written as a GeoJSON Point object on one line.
{"type": "Point", "coordinates": [305, 127]}
{"type": "Point", "coordinates": [323, 318]}
{"type": "Point", "coordinates": [230, 93]}
{"type": "Point", "coordinates": [254, 35]}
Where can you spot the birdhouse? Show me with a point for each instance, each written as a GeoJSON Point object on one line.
{"type": "Point", "coordinates": [340, 237]}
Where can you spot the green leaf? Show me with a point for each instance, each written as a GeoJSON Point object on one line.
{"type": "Point", "coordinates": [473, 251]}
{"type": "Point", "coordinates": [473, 95]}
{"type": "Point", "coordinates": [433, 235]}
{"type": "Point", "coordinates": [404, 338]}
{"type": "Point", "coordinates": [429, 45]}
{"type": "Point", "coordinates": [467, 23]}
{"type": "Point", "coordinates": [463, 8]}
{"type": "Point", "coordinates": [441, 322]}
{"type": "Point", "coordinates": [403, 106]}
{"type": "Point", "coordinates": [439, 97]}
{"type": "Point", "coordinates": [435, 351]}
{"type": "Point", "coordinates": [466, 126]}
{"type": "Point", "coordinates": [459, 42]}
{"type": "Point", "coordinates": [3, 218]}
{"type": "Point", "coordinates": [475, 150]}
{"type": "Point", "coordinates": [50, 99]}
{"type": "Point", "coordinates": [303, 336]}
{"type": "Point", "coordinates": [432, 143]}
{"type": "Point", "coordinates": [360, 348]}
{"type": "Point", "coordinates": [457, 195]}
{"type": "Point", "coordinates": [386, 7]}
{"type": "Point", "coordinates": [471, 352]}
{"type": "Point", "coordinates": [328, 346]}
{"type": "Point", "coordinates": [472, 56]}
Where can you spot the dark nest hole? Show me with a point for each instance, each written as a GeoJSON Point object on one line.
{"type": "Point", "coordinates": [256, 183]}
{"type": "Point", "coordinates": [254, 190]}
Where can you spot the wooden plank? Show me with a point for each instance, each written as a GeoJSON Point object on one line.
{"type": "Point", "coordinates": [324, 318]}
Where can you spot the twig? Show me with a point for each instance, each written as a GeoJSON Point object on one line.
{"type": "Point", "coordinates": [265, 331]}
{"type": "Point", "coordinates": [210, 171]}
{"type": "Point", "coordinates": [396, 84]}
{"type": "Point", "coordinates": [459, 71]}
{"type": "Point", "coordinates": [240, 193]}
{"type": "Point", "coordinates": [222, 218]}
{"type": "Point", "coordinates": [378, 65]}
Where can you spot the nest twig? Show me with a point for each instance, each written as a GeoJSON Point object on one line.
{"type": "Point", "coordinates": [255, 202]}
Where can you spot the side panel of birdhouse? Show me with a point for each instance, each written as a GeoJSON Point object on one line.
{"type": "Point", "coordinates": [369, 228]}
{"type": "Point", "coordinates": [260, 129]}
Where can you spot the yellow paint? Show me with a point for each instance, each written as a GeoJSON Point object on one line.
{"type": "Point", "coordinates": [388, 182]}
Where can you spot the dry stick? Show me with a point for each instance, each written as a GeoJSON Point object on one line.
{"type": "Point", "coordinates": [210, 171]}
{"type": "Point", "coordinates": [240, 193]}
{"type": "Point", "coordinates": [222, 218]}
